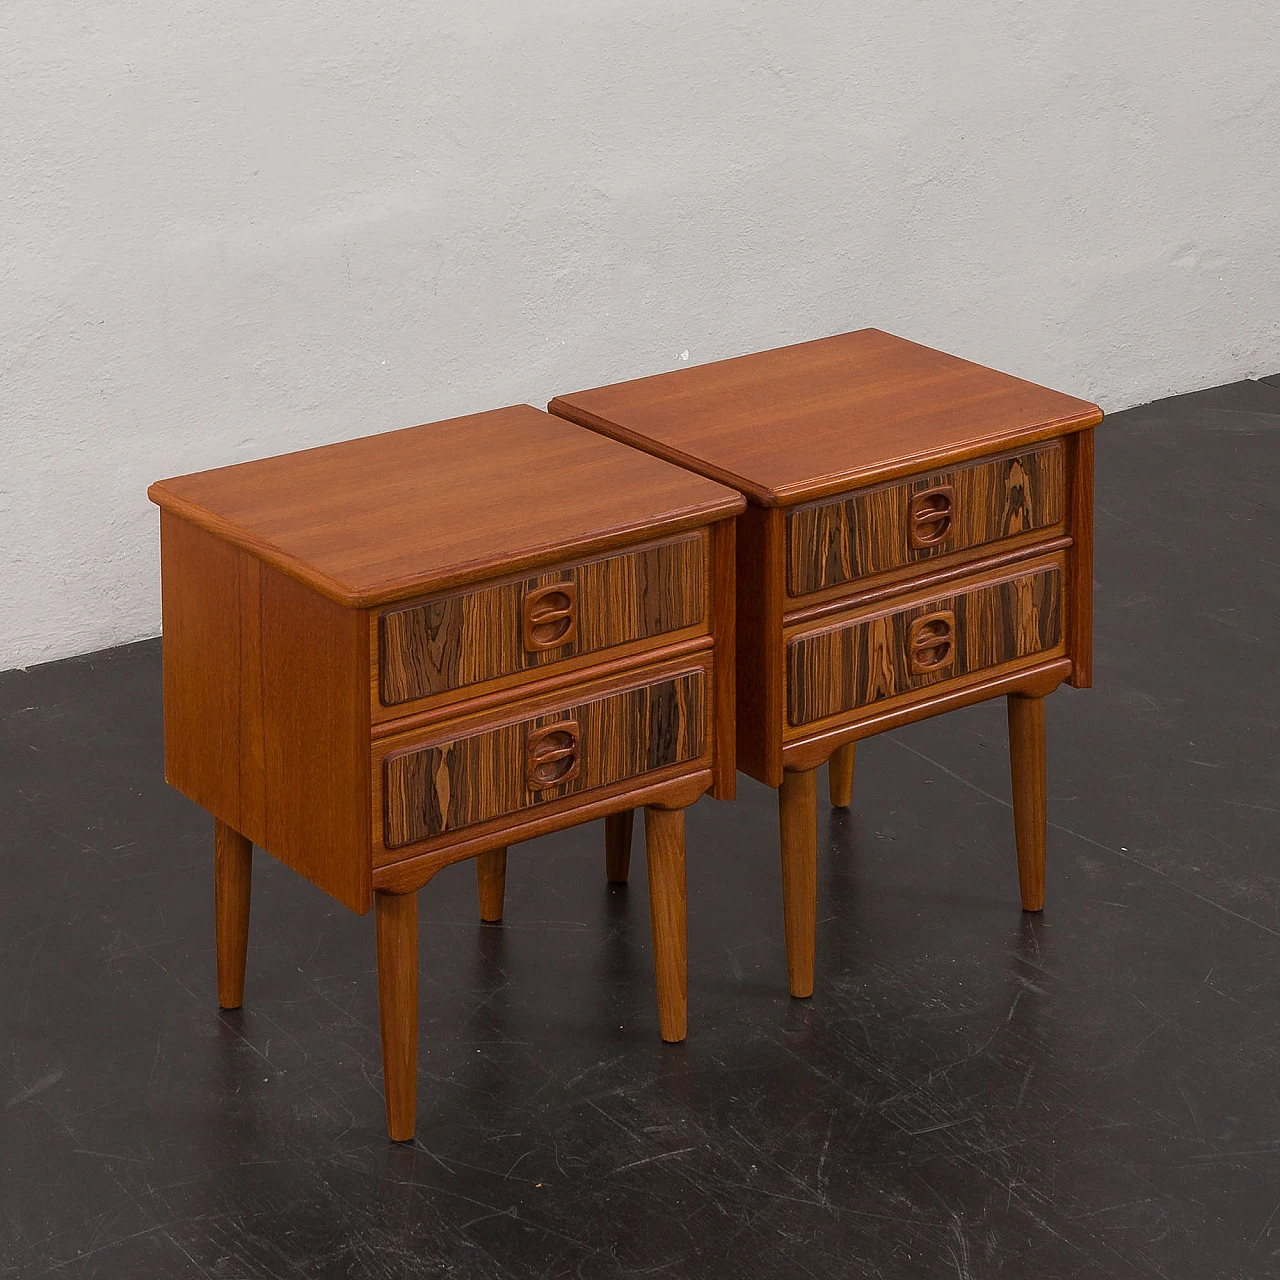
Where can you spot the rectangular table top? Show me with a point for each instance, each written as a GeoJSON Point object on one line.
{"type": "Point", "coordinates": [387, 516]}
{"type": "Point", "coordinates": [805, 421]}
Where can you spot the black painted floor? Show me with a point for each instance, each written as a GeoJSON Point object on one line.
{"type": "Point", "coordinates": [971, 1092]}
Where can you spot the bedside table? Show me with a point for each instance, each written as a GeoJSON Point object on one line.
{"type": "Point", "coordinates": [387, 655]}
{"type": "Point", "coordinates": [918, 537]}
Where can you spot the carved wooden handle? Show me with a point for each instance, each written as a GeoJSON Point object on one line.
{"type": "Point", "coordinates": [550, 616]}
{"type": "Point", "coordinates": [552, 755]}
{"type": "Point", "coordinates": [931, 642]}
{"type": "Point", "coordinates": [931, 516]}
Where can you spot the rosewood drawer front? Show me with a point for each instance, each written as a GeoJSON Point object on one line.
{"type": "Point", "coordinates": [468, 637]}
{"type": "Point", "coordinates": [444, 785]}
{"type": "Point", "coordinates": [895, 525]}
{"type": "Point", "coordinates": [866, 659]}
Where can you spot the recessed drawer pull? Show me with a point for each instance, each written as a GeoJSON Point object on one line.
{"type": "Point", "coordinates": [931, 516]}
{"type": "Point", "coordinates": [931, 642]}
{"type": "Point", "coordinates": [550, 616]}
{"type": "Point", "coordinates": [553, 755]}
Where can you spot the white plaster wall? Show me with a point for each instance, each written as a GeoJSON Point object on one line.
{"type": "Point", "coordinates": [234, 228]}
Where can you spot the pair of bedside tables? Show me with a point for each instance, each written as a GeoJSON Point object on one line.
{"type": "Point", "coordinates": [385, 656]}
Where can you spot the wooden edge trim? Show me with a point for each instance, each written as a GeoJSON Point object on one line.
{"type": "Point", "coordinates": [790, 495]}
{"type": "Point", "coordinates": [477, 703]}
{"type": "Point", "coordinates": [265, 551]}
{"type": "Point", "coordinates": [1034, 682]}
{"type": "Point", "coordinates": [775, 641]}
{"type": "Point", "coordinates": [651, 528]}
{"type": "Point", "coordinates": [1080, 560]}
{"type": "Point", "coordinates": [412, 873]}
{"type": "Point", "coordinates": [921, 592]}
{"type": "Point", "coordinates": [825, 486]}
{"type": "Point", "coordinates": [723, 621]}
{"type": "Point", "coordinates": [920, 582]}
{"type": "Point", "coordinates": [509, 710]}
{"type": "Point", "coordinates": [471, 586]}
{"type": "Point", "coordinates": [1042, 446]}
{"type": "Point", "coordinates": [461, 574]}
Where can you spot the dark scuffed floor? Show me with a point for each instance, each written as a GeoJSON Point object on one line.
{"type": "Point", "coordinates": [972, 1092]}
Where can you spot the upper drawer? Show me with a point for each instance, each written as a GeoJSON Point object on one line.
{"type": "Point", "coordinates": [894, 525]}
{"type": "Point", "coordinates": [441, 786]}
{"type": "Point", "coordinates": [869, 657]}
{"type": "Point", "coordinates": [484, 633]}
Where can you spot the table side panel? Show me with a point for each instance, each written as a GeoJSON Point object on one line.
{"type": "Point", "coordinates": [760, 674]}
{"type": "Point", "coordinates": [266, 722]}
{"type": "Point", "coordinates": [315, 737]}
{"type": "Point", "coordinates": [200, 613]}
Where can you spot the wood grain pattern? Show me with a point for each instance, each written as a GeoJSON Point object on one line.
{"type": "Point", "coordinates": [366, 522]}
{"type": "Point", "coordinates": [397, 940]}
{"type": "Point", "coordinates": [812, 748]}
{"type": "Point", "coordinates": [868, 659]}
{"type": "Point", "coordinates": [469, 637]}
{"type": "Point", "coordinates": [664, 849]}
{"type": "Point", "coordinates": [270, 735]}
{"type": "Point", "coordinates": [1080, 561]}
{"type": "Point", "coordinates": [869, 532]}
{"type": "Point", "coordinates": [1030, 792]}
{"type": "Point", "coordinates": [802, 422]}
{"type": "Point", "coordinates": [963, 565]}
{"type": "Point", "coordinates": [548, 814]}
{"type": "Point", "coordinates": [232, 886]}
{"type": "Point", "coordinates": [673, 788]}
{"type": "Point", "coordinates": [572, 675]}
{"type": "Point", "coordinates": [449, 785]}
{"type": "Point", "coordinates": [798, 829]}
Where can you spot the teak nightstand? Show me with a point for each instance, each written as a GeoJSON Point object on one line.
{"type": "Point", "coordinates": [919, 537]}
{"type": "Point", "coordinates": [387, 655]}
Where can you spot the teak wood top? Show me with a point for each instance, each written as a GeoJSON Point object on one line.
{"type": "Point", "coordinates": [389, 516]}
{"type": "Point", "coordinates": [805, 421]}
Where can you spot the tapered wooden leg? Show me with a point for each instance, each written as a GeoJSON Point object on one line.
{"type": "Point", "coordinates": [232, 881]}
{"type": "Point", "coordinates": [798, 823]}
{"type": "Point", "coordinates": [397, 925]}
{"type": "Point", "coordinates": [617, 846]}
{"type": "Point", "coordinates": [1027, 766]}
{"type": "Point", "coordinates": [664, 846]}
{"type": "Point", "coordinates": [840, 775]}
{"type": "Point", "coordinates": [491, 881]}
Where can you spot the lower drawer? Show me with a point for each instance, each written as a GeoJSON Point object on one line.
{"type": "Point", "coordinates": [865, 657]}
{"type": "Point", "coordinates": [442, 784]}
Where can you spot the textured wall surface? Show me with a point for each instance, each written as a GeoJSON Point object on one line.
{"type": "Point", "coordinates": [234, 229]}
